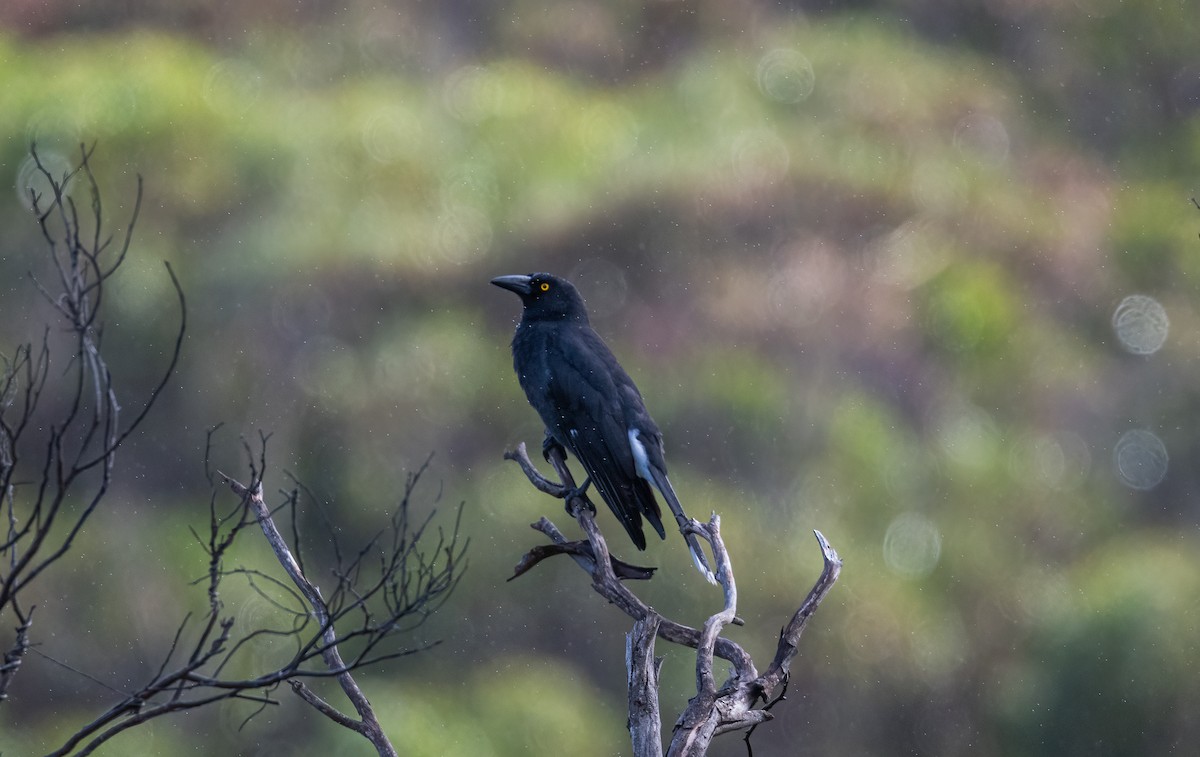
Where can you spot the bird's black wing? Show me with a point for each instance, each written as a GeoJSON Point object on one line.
{"type": "Point", "coordinates": [587, 388]}
{"type": "Point", "coordinates": [627, 495]}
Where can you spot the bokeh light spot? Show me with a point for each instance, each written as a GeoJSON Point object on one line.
{"type": "Point", "coordinates": [463, 92]}
{"type": "Point", "coordinates": [939, 187]}
{"type": "Point", "coordinates": [232, 87]}
{"type": "Point", "coordinates": [760, 157]}
{"type": "Point", "coordinates": [472, 184]}
{"type": "Point", "coordinates": [390, 134]}
{"type": "Point", "coordinates": [912, 254]}
{"type": "Point", "coordinates": [1053, 461]}
{"type": "Point", "coordinates": [1141, 459]}
{"type": "Point", "coordinates": [786, 76]}
{"type": "Point", "coordinates": [608, 132]}
{"type": "Point", "coordinates": [967, 436]}
{"type": "Point", "coordinates": [1141, 324]}
{"type": "Point", "coordinates": [473, 93]}
{"type": "Point", "coordinates": [983, 138]}
{"type": "Point", "coordinates": [464, 233]}
{"type": "Point", "coordinates": [912, 545]}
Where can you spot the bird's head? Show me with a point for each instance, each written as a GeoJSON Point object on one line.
{"type": "Point", "coordinates": [545, 296]}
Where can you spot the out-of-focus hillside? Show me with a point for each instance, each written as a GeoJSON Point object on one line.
{"type": "Point", "coordinates": [868, 265]}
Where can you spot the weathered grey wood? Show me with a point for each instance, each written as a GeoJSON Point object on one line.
{"type": "Point", "coordinates": [645, 721]}
{"type": "Point", "coordinates": [735, 704]}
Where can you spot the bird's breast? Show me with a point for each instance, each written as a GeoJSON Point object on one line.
{"type": "Point", "coordinates": [532, 350]}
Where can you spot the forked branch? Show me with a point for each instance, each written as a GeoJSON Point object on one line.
{"type": "Point", "coordinates": [739, 703]}
{"type": "Point", "coordinates": [389, 586]}
{"type": "Point", "coordinates": [60, 429]}
{"type": "Point", "coordinates": [367, 724]}
{"type": "Point", "coordinates": [57, 456]}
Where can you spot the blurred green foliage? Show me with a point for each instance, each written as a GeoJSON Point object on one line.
{"type": "Point", "coordinates": [863, 265]}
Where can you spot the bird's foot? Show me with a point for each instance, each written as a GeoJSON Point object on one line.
{"type": "Point", "coordinates": [578, 494]}
{"type": "Point", "coordinates": [549, 444]}
{"type": "Point", "coordinates": [581, 490]}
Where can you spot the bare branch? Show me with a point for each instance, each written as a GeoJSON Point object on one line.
{"type": "Point", "coordinates": [645, 722]}
{"type": "Point", "coordinates": [16, 654]}
{"type": "Point", "coordinates": [731, 706]}
{"type": "Point", "coordinates": [410, 585]}
{"type": "Point", "coordinates": [789, 637]}
{"type": "Point", "coordinates": [84, 434]}
{"type": "Point", "coordinates": [325, 708]}
{"type": "Point", "coordinates": [579, 549]}
{"type": "Point", "coordinates": [393, 584]}
{"type": "Point", "coordinates": [369, 724]}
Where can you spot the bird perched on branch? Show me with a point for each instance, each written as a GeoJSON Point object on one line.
{"type": "Point", "coordinates": [591, 407]}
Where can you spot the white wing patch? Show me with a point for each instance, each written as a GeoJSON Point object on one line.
{"type": "Point", "coordinates": [640, 461]}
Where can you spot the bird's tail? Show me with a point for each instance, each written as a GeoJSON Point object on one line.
{"type": "Point", "coordinates": [663, 484]}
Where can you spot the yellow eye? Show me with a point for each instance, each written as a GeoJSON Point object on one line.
{"type": "Point", "coordinates": [545, 287]}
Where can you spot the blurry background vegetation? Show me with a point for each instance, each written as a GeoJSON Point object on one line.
{"type": "Point", "coordinates": [866, 261]}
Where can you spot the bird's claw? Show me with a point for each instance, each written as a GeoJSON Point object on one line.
{"type": "Point", "coordinates": [578, 494]}
{"type": "Point", "coordinates": [549, 444]}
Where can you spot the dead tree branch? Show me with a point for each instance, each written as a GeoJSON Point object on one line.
{"type": "Point", "coordinates": [738, 703]}
{"type": "Point", "coordinates": [60, 429]}
{"type": "Point", "coordinates": [58, 444]}
{"type": "Point", "coordinates": [645, 721]}
{"type": "Point", "coordinates": [368, 724]}
{"type": "Point", "coordinates": [390, 586]}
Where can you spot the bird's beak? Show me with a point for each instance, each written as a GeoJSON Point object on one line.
{"type": "Point", "coordinates": [518, 283]}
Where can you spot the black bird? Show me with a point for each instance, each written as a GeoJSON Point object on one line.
{"type": "Point", "coordinates": [590, 405]}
